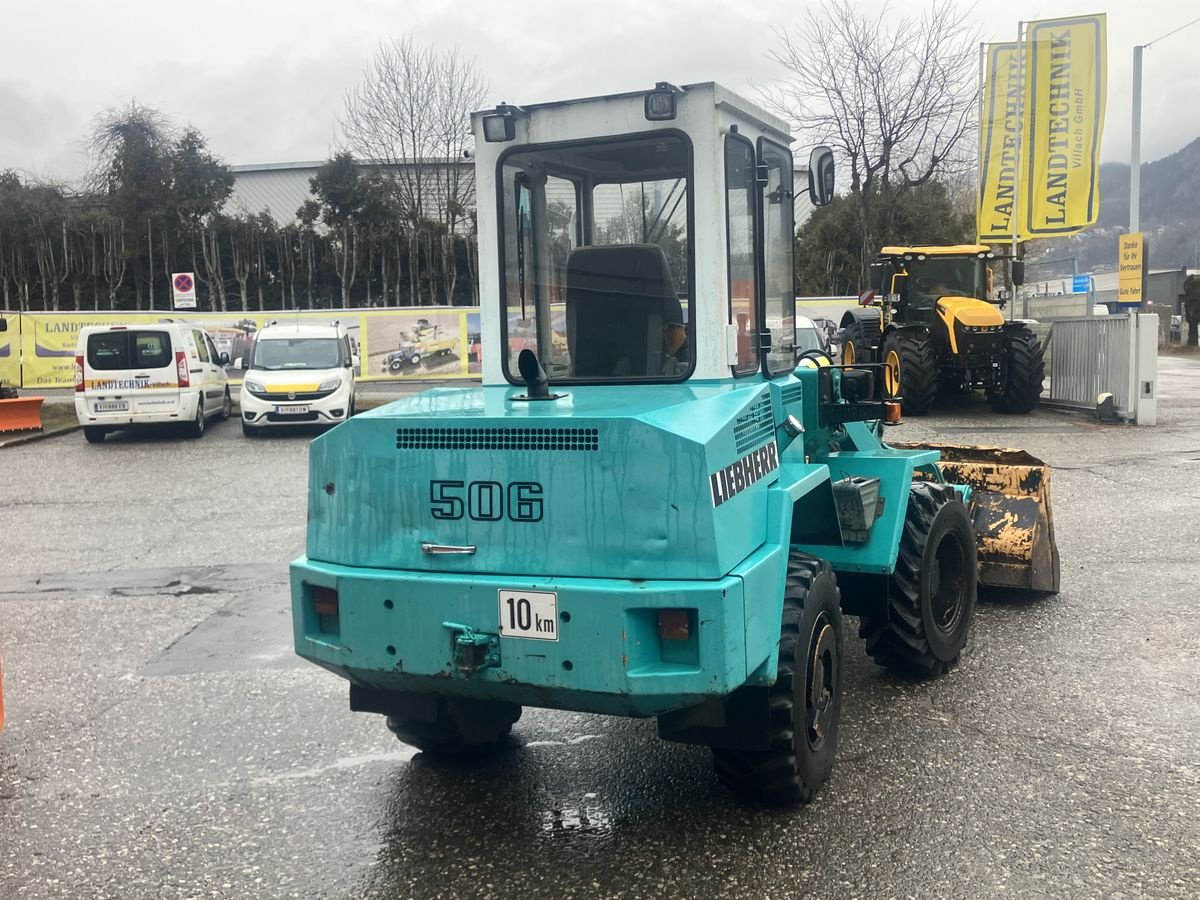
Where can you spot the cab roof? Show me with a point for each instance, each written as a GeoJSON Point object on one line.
{"type": "Point", "coordinates": [944, 250]}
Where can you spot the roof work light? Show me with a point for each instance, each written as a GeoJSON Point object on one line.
{"type": "Point", "coordinates": [500, 126]}
{"type": "Point", "coordinates": [660, 102]}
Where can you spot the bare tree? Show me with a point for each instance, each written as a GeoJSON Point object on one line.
{"type": "Point", "coordinates": [897, 102]}
{"type": "Point", "coordinates": [411, 113]}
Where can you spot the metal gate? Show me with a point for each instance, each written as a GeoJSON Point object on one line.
{"type": "Point", "coordinates": [1106, 354]}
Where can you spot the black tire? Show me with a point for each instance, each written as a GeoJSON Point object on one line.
{"type": "Point", "coordinates": [415, 359]}
{"type": "Point", "coordinates": [861, 337]}
{"type": "Point", "coordinates": [197, 426]}
{"type": "Point", "coordinates": [931, 594]}
{"type": "Point", "coordinates": [918, 369]}
{"type": "Point", "coordinates": [250, 431]}
{"type": "Point", "coordinates": [804, 720]}
{"type": "Point", "coordinates": [226, 406]}
{"type": "Point", "coordinates": [94, 435]}
{"type": "Point", "coordinates": [1024, 370]}
{"type": "Point", "coordinates": [461, 728]}
{"type": "Point", "coordinates": [395, 365]}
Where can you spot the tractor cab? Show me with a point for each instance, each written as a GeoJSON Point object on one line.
{"type": "Point", "coordinates": [639, 238]}
{"type": "Point", "coordinates": [914, 279]}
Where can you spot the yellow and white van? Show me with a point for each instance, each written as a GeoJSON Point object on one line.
{"type": "Point", "coordinates": [297, 375]}
{"type": "Point", "coordinates": [128, 375]}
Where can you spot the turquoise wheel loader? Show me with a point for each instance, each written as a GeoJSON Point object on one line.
{"type": "Point", "coordinates": [653, 505]}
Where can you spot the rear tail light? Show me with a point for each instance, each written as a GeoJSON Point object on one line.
{"type": "Point", "coordinates": [674, 624]}
{"type": "Point", "coordinates": [181, 363]}
{"type": "Point", "coordinates": [78, 374]}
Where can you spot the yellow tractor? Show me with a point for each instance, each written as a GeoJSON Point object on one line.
{"type": "Point", "coordinates": [931, 319]}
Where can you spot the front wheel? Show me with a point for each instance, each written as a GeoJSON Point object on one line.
{"type": "Point", "coordinates": [931, 595]}
{"type": "Point", "coordinates": [226, 406]}
{"type": "Point", "coordinates": [459, 727]}
{"type": "Point", "coordinates": [197, 426]}
{"type": "Point", "coordinates": [1024, 370]}
{"type": "Point", "coordinates": [910, 370]}
{"type": "Point", "coordinates": [94, 435]}
{"type": "Point", "coordinates": [805, 702]}
{"type": "Point", "coordinates": [395, 366]}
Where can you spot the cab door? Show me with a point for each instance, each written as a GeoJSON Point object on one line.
{"type": "Point", "coordinates": [204, 372]}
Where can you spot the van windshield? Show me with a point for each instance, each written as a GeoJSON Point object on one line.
{"type": "Point", "coordinates": [297, 353]}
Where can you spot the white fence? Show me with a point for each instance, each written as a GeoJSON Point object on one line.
{"type": "Point", "coordinates": [1118, 355]}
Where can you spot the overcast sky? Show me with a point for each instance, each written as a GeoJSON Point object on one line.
{"type": "Point", "coordinates": [264, 79]}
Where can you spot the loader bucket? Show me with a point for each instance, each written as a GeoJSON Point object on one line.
{"type": "Point", "coordinates": [1010, 509]}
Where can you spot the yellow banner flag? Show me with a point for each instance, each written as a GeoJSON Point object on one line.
{"type": "Point", "coordinates": [999, 136]}
{"type": "Point", "coordinates": [1066, 78]}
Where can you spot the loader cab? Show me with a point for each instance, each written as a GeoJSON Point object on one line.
{"type": "Point", "coordinates": [638, 238]}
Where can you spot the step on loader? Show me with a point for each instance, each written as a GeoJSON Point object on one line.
{"type": "Point", "coordinates": [653, 505]}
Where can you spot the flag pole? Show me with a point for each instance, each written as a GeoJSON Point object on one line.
{"type": "Point", "coordinates": [979, 157]}
{"type": "Point", "coordinates": [1017, 174]}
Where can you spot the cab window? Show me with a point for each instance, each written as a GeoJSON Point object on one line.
{"type": "Point", "coordinates": [597, 259]}
{"type": "Point", "coordinates": [779, 242]}
{"type": "Point", "coordinates": [201, 347]}
{"type": "Point", "coordinates": [740, 187]}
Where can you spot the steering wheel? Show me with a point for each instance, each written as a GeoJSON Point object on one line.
{"type": "Point", "coordinates": [816, 354]}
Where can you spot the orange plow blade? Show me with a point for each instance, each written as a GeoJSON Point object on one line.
{"type": "Point", "coordinates": [1010, 509]}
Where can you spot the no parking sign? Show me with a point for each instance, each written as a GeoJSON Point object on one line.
{"type": "Point", "coordinates": [183, 288]}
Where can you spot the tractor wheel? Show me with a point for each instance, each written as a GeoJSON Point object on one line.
{"type": "Point", "coordinates": [806, 699]}
{"type": "Point", "coordinates": [912, 366]}
{"type": "Point", "coordinates": [1024, 369]}
{"type": "Point", "coordinates": [461, 728]}
{"type": "Point", "coordinates": [931, 594]}
{"type": "Point", "coordinates": [395, 365]}
{"type": "Point", "coordinates": [859, 337]}
{"type": "Point", "coordinates": [415, 359]}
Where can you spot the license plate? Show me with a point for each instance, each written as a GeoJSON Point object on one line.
{"type": "Point", "coordinates": [529, 614]}
{"type": "Point", "coordinates": [112, 406]}
{"type": "Point", "coordinates": [291, 410]}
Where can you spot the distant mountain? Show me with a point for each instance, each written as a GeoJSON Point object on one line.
{"type": "Point", "coordinates": [1170, 210]}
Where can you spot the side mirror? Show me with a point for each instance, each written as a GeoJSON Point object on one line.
{"type": "Point", "coordinates": [1003, 294]}
{"type": "Point", "coordinates": [223, 359]}
{"type": "Point", "coordinates": [820, 176]}
{"type": "Point", "coordinates": [1018, 272]}
{"type": "Point", "coordinates": [240, 363]}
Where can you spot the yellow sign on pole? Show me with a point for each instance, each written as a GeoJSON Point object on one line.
{"type": "Point", "coordinates": [999, 137]}
{"type": "Point", "coordinates": [1066, 80]}
{"type": "Point", "coordinates": [1131, 268]}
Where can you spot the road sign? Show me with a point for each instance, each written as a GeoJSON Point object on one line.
{"type": "Point", "coordinates": [183, 288]}
{"type": "Point", "coordinates": [1081, 284]}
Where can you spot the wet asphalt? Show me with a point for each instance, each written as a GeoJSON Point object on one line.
{"type": "Point", "coordinates": [163, 741]}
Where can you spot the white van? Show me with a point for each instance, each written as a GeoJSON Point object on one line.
{"type": "Point", "coordinates": [146, 374]}
{"type": "Point", "coordinates": [297, 375]}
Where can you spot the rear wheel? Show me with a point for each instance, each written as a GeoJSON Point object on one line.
{"type": "Point", "coordinates": [859, 337]}
{"type": "Point", "coordinates": [94, 435]}
{"type": "Point", "coordinates": [805, 701]}
{"type": "Point", "coordinates": [931, 594]}
{"type": "Point", "coordinates": [197, 426]}
{"type": "Point", "coordinates": [460, 727]}
{"type": "Point", "coordinates": [1024, 370]}
{"type": "Point", "coordinates": [912, 363]}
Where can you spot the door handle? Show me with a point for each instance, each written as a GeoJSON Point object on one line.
{"type": "Point", "coordinates": [447, 549]}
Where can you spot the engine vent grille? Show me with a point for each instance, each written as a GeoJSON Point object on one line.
{"type": "Point", "coordinates": [792, 393]}
{"type": "Point", "coordinates": [755, 426]}
{"type": "Point", "coordinates": [438, 438]}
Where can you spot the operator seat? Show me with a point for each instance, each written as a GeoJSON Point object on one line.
{"type": "Point", "coordinates": [619, 298]}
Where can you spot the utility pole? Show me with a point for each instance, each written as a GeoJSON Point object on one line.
{"type": "Point", "coordinates": [1135, 145]}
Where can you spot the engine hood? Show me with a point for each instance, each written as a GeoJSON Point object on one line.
{"type": "Point", "coordinates": [635, 481]}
